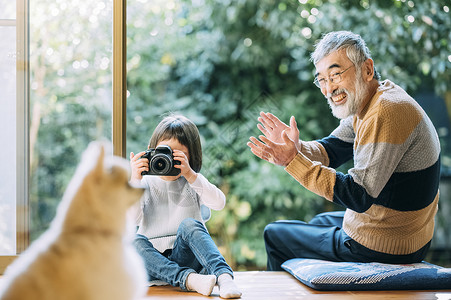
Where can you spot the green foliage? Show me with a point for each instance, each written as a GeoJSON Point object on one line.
{"type": "Point", "coordinates": [70, 96]}
{"type": "Point", "coordinates": [219, 62]}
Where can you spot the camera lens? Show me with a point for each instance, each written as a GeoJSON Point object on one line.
{"type": "Point", "coordinates": [161, 164]}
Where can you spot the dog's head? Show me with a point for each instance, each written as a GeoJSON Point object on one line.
{"type": "Point", "coordinates": [99, 194]}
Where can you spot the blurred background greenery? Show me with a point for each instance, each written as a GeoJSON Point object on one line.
{"type": "Point", "coordinates": [221, 62]}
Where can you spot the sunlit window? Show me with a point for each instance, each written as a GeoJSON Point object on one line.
{"type": "Point", "coordinates": [8, 121]}
{"type": "Point", "coordinates": [71, 95]}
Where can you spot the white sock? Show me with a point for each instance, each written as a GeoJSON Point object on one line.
{"type": "Point", "coordinates": [203, 284]}
{"type": "Point", "coordinates": [227, 287]}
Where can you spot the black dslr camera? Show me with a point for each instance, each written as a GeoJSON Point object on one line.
{"type": "Point", "coordinates": [161, 162]}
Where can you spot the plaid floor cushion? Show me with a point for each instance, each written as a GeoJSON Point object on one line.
{"type": "Point", "coordinates": [341, 276]}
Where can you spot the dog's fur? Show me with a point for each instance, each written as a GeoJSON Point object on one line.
{"type": "Point", "coordinates": [87, 252]}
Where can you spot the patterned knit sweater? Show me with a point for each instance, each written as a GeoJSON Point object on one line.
{"type": "Point", "coordinates": [391, 193]}
{"type": "Point", "coordinates": [165, 204]}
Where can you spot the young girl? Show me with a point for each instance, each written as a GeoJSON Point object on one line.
{"type": "Point", "coordinates": [172, 237]}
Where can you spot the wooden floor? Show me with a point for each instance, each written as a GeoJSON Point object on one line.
{"type": "Point", "coordinates": [283, 286]}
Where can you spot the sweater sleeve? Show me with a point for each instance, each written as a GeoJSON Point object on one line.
{"type": "Point", "coordinates": [315, 151]}
{"type": "Point", "coordinates": [135, 212]}
{"type": "Point", "coordinates": [313, 167]}
{"type": "Point", "coordinates": [209, 194]}
{"type": "Point", "coordinates": [314, 176]}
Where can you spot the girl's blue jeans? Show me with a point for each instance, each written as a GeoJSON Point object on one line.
{"type": "Point", "coordinates": [194, 251]}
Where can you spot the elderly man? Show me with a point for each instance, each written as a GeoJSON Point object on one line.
{"type": "Point", "coordinates": [390, 194]}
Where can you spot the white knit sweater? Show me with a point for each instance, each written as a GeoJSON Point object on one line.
{"type": "Point", "coordinates": [165, 204]}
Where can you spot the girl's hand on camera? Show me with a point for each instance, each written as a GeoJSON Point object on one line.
{"type": "Point", "coordinates": [138, 165]}
{"type": "Point", "coordinates": [185, 169]}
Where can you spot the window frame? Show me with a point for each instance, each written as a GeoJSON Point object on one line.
{"type": "Point", "coordinates": [119, 77]}
{"type": "Point", "coordinates": [22, 117]}
{"type": "Point", "coordinates": [22, 24]}
{"type": "Point", "coordinates": [22, 141]}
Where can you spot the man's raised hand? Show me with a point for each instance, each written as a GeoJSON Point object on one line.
{"type": "Point", "coordinates": [277, 153]}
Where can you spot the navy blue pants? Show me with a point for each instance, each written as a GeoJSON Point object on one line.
{"type": "Point", "coordinates": [323, 238]}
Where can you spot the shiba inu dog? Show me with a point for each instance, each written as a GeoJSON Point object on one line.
{"type": "Point", "coordinates": [86, 253]}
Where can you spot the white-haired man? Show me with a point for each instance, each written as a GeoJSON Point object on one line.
{"type": "Point", "coordinates": [391, 193]}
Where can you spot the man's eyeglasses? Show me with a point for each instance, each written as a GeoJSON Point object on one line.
{"type": "Point", "coordinates": [333, 78]}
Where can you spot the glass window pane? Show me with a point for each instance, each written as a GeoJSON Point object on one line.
{"type": "Point", "coordinates": [8, 9]}
{"type": "Point", "coordinates": [8, 138]}
{"type": "Point", "coordinates": [71, 77]}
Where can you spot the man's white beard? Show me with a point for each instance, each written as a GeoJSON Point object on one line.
{"type": "Point", "coordinates": [353, 100]}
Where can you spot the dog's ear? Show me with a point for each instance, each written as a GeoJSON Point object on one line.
{"type": "Point", "coordinates": [98, 169]}
{"type": "Point", "coordinates": [93, 159]}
